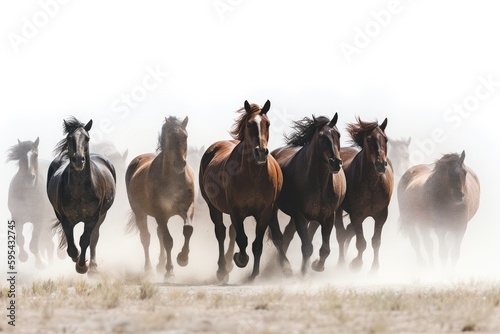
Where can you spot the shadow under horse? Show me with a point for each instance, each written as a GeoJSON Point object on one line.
{"type": "Point", "coordinates": [239, 177]}
{"type": "Point", "coordinates": [28, 202]}
{"type": "Point", "coordinates": [81, 188]}
{"type": "Point", "coordinates": [314, 184]}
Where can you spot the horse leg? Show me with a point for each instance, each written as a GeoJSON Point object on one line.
{"type": "Point", "coordinates": [23, 255]}
{"type": "Point", "coordinates": [307, 247]}
{"type": "Point", "coordinates": [35, 246]}
{"type": "Point", "coordinates": [425, 233]}
{"type": "Point", "coordinates": [312, 228]}
{"type": "Point", "coordinates": [220, 234]}
{"type": "Point", "coordinates": [168, 241]}
{"type": "Point", "coordinates": [141, 222]}
{"type": "Point", "coordinates": [377, 238]}
{"type": "Point", "coordinates": [187, 231]}
{"type": "Point", "coordinates": [162, 258]}
{"type": "Point", "coordinates": [324, 251]}
{"type": "Point", "coordinates": [81, 264]}
{"type": "Point", "coordinates": [411, 231]}
{"type": "Point", "coordinates": [443, 247]}
{"type": "Point", "coordinates": [357, 228]}
{"type": "Point", "coordinates": [240, 258]}
{"type": "Point", "coordinates": [288, 233]}
{"type": "Point", "coordinates": [230, 248]}
{"type": "Point", "coordinates": [341, 236]}
{"type": "Point", "coordinates": [257, 245]}
{"type": "Point", "coordinates": [277, 238]}
{"type": "Point", "coordinates": [70, 241]}
{"type": "Point", "coordinates": [457, 243]}
{"type": "Point", "coordinates": [94, 238]}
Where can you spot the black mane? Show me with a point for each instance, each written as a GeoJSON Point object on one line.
{"type": "Point", "coordinates": [304, 130]}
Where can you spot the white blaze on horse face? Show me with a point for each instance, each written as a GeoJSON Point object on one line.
{"type": "Point", "coordinates": [258, 120]}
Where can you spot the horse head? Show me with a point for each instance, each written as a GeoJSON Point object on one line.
{"type": "Point", "coordinates": [173, 142]}
{"type": "Point", "coordinates": [329, 139]}
{"type": "Point", "coordinates": [375, 146]}
{"type": "Point", "coordinates": [77, 143]}
{"type": "Point", "coordinates": [257, 130]}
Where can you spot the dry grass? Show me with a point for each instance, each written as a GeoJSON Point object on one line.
{"type": "Point", "coordinates": [122, 306]}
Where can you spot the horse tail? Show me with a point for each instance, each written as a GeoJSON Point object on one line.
{"type": "Point", "coordinates": [131, 226]}
{"type": "Point", "coordinates": [58, 229]}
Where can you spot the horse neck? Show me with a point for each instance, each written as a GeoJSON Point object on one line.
{"type": "Point", "coordinates": [437, 183]}
{"type": "Point", "coordinates": [166, 162]}
{"type": "Point", "coordinates": [367, 168]}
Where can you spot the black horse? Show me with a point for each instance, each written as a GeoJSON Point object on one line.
{"type": "Point", "coordinates": [81, 188]}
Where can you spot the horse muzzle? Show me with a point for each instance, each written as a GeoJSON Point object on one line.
{"type": "Point", "coordinates": [381, 167]}
{"type": "Point", "coordinates": [260, 155]}
{"type": "Point", "coordinates": [180, 166]}
{"type": "Point", "coordinates": [335, 165]}
{"type": "Point", "coordinates": [78, 163]}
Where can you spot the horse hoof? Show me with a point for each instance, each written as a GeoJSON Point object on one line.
{"type": "Point", "coordinates": [23, 256]}
{"type": "Point", "coordinates": [222, 276]}
{"type": "Point", "coordinates": [81, 269]}
{"type": "Point", "coordinates": [160, 269]}
{"type": "Point", "coordinates": [169, 274]}
{"type": "Point", "coordinates": [317, 267]}
{"type": "Point", "coordinates": [93, 272]}
{"type": "Point", "coordinates": [287, 270]}
{"type": "Point", "coordinates": [356, 265]}
{"type": "Point", "coordinates": [61, 254]}
{"type": "Point", "coordinates": [182, 259]}
{"type": "Point", "coordinates": [241, 260]}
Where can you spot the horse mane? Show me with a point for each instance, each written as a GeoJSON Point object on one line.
{"type": "Point", "coordinates": [70, 125]}
{"type": "Point", "coordinates": [238, 130]}
{"type": "Point", "coordinates": [171, 123]}
{"type": "Point", "coordinates": [358, 131]}
{"type": "Point", "coordinates": [19, 151]}
{"type": "Point", "coordinates": [446, 160]}
{"type": "Point", "coordinates": [304, 130]}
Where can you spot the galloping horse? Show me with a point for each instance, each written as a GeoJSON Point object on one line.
{"type": "Point", "coordinates": [28, 201]}
{"type": "Point", "coordinates": [162, 186]}
{"type": "Point", "coordinates": [442, 197]}
{"type": "Point", "coordinates": [238, 177]}
{"type": "Point", "coordinates": [81, 188]}
{"type": "Point", "coordinates": [314, 184]}
{"type": "Point", "coordinates": [370, 183]}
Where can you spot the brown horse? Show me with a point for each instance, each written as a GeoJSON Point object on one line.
{"type": "Point", "coordinates": [370, 183]}
{"type": "Point", "coordinates": [442, 197]}
{"type": "Point", "coordinates": [313, 183]}
{"type": "Point", "coordinates": [240, 178]}
{"type": "Point", "coordinates": [161, 185]}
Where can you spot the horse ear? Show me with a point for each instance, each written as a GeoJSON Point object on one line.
{"type": "Point", "coordinates": [37, 141]}
{"type": "Point", "coordinates": [383, 125]}
{"type": "Point", "coordinates": [408, 141]}
{"type": "Point", "coordinates": [124, 155]}
{"type": "Point", "coordinates": [462, 157]}
{"type": "Point", "coordinates": [333, 122]}
{"type": "Point", "coordinates": [202, 150]}
{"type": "Point", "coordinates": [88, 126]}
{"type": "Point", "coordinates": [18, 141]}
{"type": "Point", "coordinates": [265, 108]}
{"type": "Point", "coordinates": [185, 122]}
{"type": "Point", "coordinates": [247, 107]}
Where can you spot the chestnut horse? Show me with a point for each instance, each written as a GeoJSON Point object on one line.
{"type": "Point", "coordinates": [81, 188]}
{"type": "Point", "coordinates": [162, 186]}
{"type": "Point", "coordinates": [313, 183]}
{"type": "Point", "coordinates": [442, 198]}
{"type": "Point", "coordinates": [370, 184]}
{"type": "Point", "coordinates": [240, 178]}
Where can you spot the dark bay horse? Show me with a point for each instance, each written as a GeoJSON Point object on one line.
{"type": "Point", "coordinates": [442, 198]}
{"type": "Point", "coordinates": [314, 184]}
{"type": "Point", "coordinates": [370, 183]}
{"type": "Point", "coordinates": [240, 178]}
{"type": "Point", "coordinates": [162, 186]}
{"type": "Point", "coordinates": [28, 201]}
{"type": "Point", "coordinates": [81, 188]}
